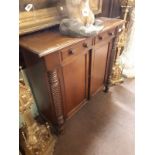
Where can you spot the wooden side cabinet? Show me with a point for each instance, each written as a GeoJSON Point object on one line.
{"type": "Point", "coordinates": [64, 72]}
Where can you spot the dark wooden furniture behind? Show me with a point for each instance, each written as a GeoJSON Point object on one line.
{"type": "Point", "coordinates": [65, 72]}
{"type": "Point", "coordinates": [111, 9]}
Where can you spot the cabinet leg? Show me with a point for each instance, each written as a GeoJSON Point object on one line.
{"type": "Point", "coordinates": [55, 92]}
{"type": "Point", "coordinates": [106, 89]}
{"type": "Point", "coordinates": [58, 130]}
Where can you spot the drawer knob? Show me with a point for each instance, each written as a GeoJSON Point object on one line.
{"type": "Point", "coordinates": [85, 45]}
{"type": "Point", "coordinates": [111, 33]}
{"type": "Point", "coordinates": [71, 51]}
{"type": "Point", "coordinates": [100, 37]}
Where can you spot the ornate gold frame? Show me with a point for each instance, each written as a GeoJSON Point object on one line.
{"type": "Point", "coordinates": [43, 18]}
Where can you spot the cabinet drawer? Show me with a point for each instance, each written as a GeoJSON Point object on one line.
{"type": "Point", "coordinates": [105, 36]}
{"type": "Point", "coordinates": [76, 49]}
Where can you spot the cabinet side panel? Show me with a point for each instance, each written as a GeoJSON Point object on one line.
{"type": "Point", "coordinates": [36, 73]}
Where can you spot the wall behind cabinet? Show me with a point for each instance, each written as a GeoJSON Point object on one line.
{"type": "Point", "coordinates": [111, 8]}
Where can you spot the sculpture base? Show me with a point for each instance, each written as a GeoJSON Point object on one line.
{"type": "Point", "coordinates": [73, 28]}
{"type": "Point", "coordinates": [116, 81]}
{"type": "Point", "coordinates": [116, 76]}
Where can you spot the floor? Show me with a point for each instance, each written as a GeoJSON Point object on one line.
{"type": "Point", "coordinates": [104, 126]}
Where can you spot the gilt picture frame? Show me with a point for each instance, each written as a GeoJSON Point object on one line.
{"type": "Point", "coordinates": [34, 19]}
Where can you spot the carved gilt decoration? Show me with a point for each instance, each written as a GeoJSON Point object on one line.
{"type": "Point", "coordinates": [36, 138]}
{"type": "Point", "coordinates": [116, 76]}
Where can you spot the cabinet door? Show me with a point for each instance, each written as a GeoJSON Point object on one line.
{"type": "Point", "coordinates": [100, 60]}
{"type": "Point", "coordinates": [99, 66]}
{"type": "Point", "coordinates": [75, 74]}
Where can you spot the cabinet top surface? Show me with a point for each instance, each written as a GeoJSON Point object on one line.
{"type": "Point", "coordinates": [46, 42]}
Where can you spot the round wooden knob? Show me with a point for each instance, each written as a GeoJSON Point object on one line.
{"type": "Point", "coordinates": [85, 45]}
{"type": "Point", "coordinates": [71, 51]}
{"type": "Point", "coordinates": [100, 37]}
{"type": "Point", "coordinates": [111, 33]}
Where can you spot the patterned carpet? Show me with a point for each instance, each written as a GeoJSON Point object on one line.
{"type": "Point", "coordinates": [104, 126]}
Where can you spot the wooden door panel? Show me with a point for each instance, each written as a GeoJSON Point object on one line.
{"type": "Point", "coordinates": [75, 83]}
{"type": "Point", "coordinates": [99, 66]}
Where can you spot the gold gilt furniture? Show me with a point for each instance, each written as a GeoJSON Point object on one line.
{"type": "Point", "coordinates": [127, 6]}
{"type": "Point", "coordinates": [36, 138]}
{"type": "Point", "coordinates": [65, 72]}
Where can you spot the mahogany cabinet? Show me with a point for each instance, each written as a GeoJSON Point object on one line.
{"type": "Point", "coordinates": [65, 72]}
